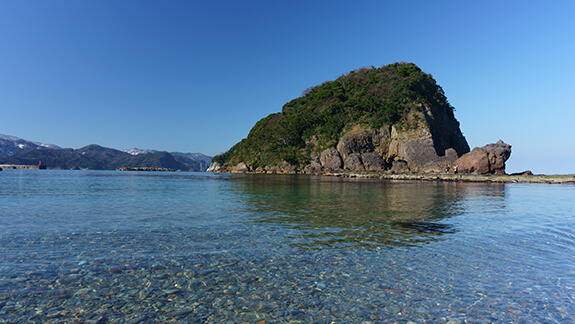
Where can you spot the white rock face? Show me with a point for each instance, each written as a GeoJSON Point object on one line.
{"type": "Point", "coordinates": [214, 167]}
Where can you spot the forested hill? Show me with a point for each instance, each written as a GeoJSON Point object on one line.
{"type": "Point", "coordinates": [95, 157]}
{"type": "Point", "coordinates": [398, 98]}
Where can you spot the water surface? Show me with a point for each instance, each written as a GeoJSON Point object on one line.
{"type": "Point", "coordinates": [138, 247]}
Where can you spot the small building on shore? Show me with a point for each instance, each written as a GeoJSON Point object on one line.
{"type": "Point", "coordinates": [26, 167]}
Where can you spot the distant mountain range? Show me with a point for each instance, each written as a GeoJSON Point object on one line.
{"type": "Point", "coordinates": [14, 150]}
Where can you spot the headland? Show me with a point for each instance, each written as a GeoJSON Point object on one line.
{"type": "Point", "coordinates": [393, 122]}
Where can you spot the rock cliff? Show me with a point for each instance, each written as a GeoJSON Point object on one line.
{"type": "Point", "coordinates": [389, 119]}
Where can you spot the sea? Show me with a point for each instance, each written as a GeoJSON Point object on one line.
{"type": "Point", "coordinates": [185, 247]}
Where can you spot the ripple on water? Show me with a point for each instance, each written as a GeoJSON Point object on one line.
{"type": "Point", "coordinates": [137, 248]}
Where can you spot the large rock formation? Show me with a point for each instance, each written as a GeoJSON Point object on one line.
{"type": "Point", "coordinates": [484, 160]}
{"type": "Point", "coordinates": [390, 119]}
{"type": "Point", "coordinates": [430, 145]}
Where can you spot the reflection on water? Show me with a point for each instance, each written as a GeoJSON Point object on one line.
{"type": "Point", "coordinates": [348, 213]}
{"type": "Point", "coordinates": [112, 247]}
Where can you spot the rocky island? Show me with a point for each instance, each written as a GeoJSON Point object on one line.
{"type": "Point", "coordinates": [394, 118]}
{"type": "Point", "coordinates": [391, 122]}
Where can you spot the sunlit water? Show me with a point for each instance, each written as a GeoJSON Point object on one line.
{"type": "Point", "coordinates": [141, 247]}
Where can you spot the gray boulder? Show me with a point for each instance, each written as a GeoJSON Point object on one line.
{"type": "Point", "coordinates": [372, 161]}
{"type": "Point", "coordinates": [314, 167]}
{"type": "Point", "coordinates": [285, 167]}
{"type": "Point", "coordinates": [331, 160]}
{"type": "Point", "coordinates": [399, 166]}
{"type": "Point", "coordinates": [353, 162]}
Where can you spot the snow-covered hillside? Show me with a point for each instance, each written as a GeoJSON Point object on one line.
{"type": "Point", "coordinates": [10, 145]}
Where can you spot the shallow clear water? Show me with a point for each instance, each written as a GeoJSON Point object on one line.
{"type": "Point", "coordinates": [139, 247]}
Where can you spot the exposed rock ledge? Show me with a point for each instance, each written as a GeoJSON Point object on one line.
{"type": "Point", "coordinates": [522, 177]}
{"type": "Point", "coordinates": [389, 149]}
{"type": "Point", "coordinates": [356, 152]}
{"type": "Point", "coordinates": [525, 177]}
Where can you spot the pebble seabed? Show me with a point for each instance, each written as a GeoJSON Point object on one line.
{"type": "Point", "coordinates": [254, 272]}
{"type": "Point", "coordinates": [300, 286]}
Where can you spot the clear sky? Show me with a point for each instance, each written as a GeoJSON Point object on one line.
{"type": "Point", "coordinates": [195, 76]}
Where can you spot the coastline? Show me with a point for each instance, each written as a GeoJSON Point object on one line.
{"type": "Point", "coordinates": [442, 176]}
{"type": "Point", "coordinates": [464, 177]}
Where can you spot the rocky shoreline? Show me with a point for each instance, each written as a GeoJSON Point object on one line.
{"type": "Point", "coordinates": [525, 177]}
{"type": "Point", "coordinates": [542, 178]}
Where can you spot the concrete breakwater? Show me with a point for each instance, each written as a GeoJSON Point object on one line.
{"type": "Point", "coordinates": [27, 167]}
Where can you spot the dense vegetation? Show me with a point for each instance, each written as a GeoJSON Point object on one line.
{"type": "Point", "coordinates": [371, 97]}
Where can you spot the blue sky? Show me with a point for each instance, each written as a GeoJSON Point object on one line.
{"type": "Point", "coordinates": [195, 76]}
